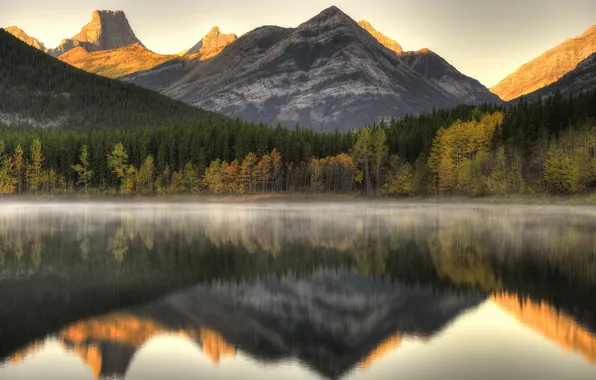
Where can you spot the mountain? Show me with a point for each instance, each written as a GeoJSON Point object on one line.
{"type": "Point", "coordinates": [547, 68]}
{"type": "Point", "coordinates": [436, 69]}
{"type": "Point", "coordinates": [42, 91]}
{"type": "Point", "coordinates": [580, 79]}
{"type": "Point", "coordinates": [107, 30]}
{"type": "Point", "coordinates": [328, 73]}
{"type": "Point", "coordinates": [21, 35]}
{"type": "Point", "coordinates": [212, 44]}
{"type": "Point", "coordinates": [383, 39]}
{"type": "Point", "coordinates": [114, 63]}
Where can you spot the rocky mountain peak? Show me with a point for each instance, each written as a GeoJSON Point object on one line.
{"type": "Point", "coordinates": [21, 35]}
{"type": "Point", "coordinates": [331, 16]}
{"type": "Point", "coordinates": [213, 42]}
{"type": "Point", "coordinates": [107, 30]}
{"type": "Point", "coordinates": [384, 40]}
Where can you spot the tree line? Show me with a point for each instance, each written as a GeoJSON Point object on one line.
{"type": "Point", "coordinates": [548, 146]}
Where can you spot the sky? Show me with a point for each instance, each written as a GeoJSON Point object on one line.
{"type": "Point", "coordinates": [484, 39]}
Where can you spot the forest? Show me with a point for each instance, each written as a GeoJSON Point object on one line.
{"type": "Point", "coordinates": [544, 147]}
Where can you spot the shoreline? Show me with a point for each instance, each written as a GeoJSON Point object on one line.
{"type": "Point", "coordinates": [537, 200]}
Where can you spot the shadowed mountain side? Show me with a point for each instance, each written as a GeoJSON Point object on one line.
{"type": "Point", "coordinates": [328, 73]}
{"type": "Point", "coordinates": [21, 35]}
{"type": "Point", "coordinates": [42, 91]}
{"type": "Point", "coordinates": [433, 67]}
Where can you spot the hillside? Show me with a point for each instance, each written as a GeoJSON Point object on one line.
{"type": "Point", "coordinates": [114, 63]}
{"type": "Point", "coordinates": [39, 90]}
{"type": "Point", "coordinates": [547, 68]}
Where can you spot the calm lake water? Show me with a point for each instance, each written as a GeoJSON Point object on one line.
{"type": "Point", "coordinates": [346, 290]}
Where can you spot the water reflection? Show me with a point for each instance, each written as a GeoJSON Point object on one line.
{"type": "Point", "coordinates": [336, 288]}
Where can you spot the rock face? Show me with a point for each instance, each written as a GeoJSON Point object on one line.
{"type": "Point", "coordinates": [548, 68]}
{"type": "Point", "coordinates": [328, 73]}
{"type": "Point", "coordinates": [107, 30]}
{"type": "Point", "coordinates": [580, 79]}
{"type": "Point", "coordinates": [21, 35]}
{"type": "Point", "coordinates": [433, 67]}
{"type": "Point", "coordinates": [383, 39]}
{"type": "Point", "coordinates": [114, 63]}
{"type": "Point", "coordinates": [212, 44]}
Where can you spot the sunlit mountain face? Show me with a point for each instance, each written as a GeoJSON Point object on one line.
{"type": "Point", "coordinates": [297, 290]}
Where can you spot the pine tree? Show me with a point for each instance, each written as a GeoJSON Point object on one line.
{"type": "Point", "coordinates": [379, 151]}
{"type": "Point", "coordinates": [363, 155]}
{"type": "Point", "coordinates": [82, 169]}
{"type": "Point", "coordinates": [35, 174]}
{"type": "Point", "coordinates": [7, 176]}
{"type": "Point", "coordinates": [19, 167]}
{"type": "Point", "coordinates": [145, 176]}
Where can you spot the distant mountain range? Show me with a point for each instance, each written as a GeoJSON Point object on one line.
{"type": "Point", "coordinates": [328, 73]}
{"type": "Point", "coordinates": [41, 91]}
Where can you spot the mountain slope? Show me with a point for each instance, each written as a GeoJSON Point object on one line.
{"type": "Point", "coordinates": [580, 79]}
{"type": "Point", "coordinates": [40, 90]}
{"type": "Point", "coordinates": [107, 30]}
{"type": "Point", "coordinates": [114, 63]}
{"type": "Point", "coordinates": [548, 68]}
{"type": "Point", "coordinates": [21, 35]}
{"type": "Point", "coordinates": [328, 73]}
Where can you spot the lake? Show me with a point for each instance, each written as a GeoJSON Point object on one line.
{"type": "Point", "coordinates": [297, 290]}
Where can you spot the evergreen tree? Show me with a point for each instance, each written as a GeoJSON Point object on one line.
{"type": "Point", "coordinates": [82, 169]}
{"type": "Point", "coordinates": [34, 173]}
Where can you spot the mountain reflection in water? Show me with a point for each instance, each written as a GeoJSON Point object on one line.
{"type": "Point", "coordinates": [312, 291]}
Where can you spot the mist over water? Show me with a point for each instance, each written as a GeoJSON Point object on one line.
{"type": "Point", "coordinates": [352, 290]}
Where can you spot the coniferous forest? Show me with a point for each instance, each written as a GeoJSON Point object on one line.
{"type": "Point", "coordinates": [526, 148]}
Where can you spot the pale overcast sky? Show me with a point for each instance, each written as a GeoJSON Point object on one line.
{"type": "Point", "coordinates": [485, 39]}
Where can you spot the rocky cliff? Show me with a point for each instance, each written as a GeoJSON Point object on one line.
{"type": "Point", "coordinates": [107, 30]}
{"type": "Point", "coordinates": [548, 68]}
